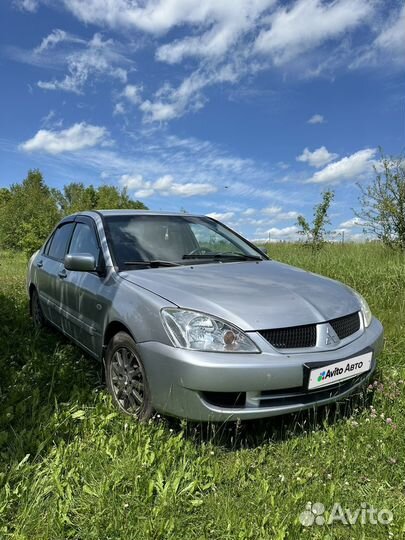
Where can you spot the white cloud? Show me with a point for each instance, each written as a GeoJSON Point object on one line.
{"type": "Point", "coordinates": [75, 138]}
{"type": "Point", "coordinates": [272, 210]}
{"type": "Point", "coordinates": [348, 168]}
{"type": "Point", "coordinates": [118, 109]}
{"type": "Point", "coordinates": [276, 234]}
{"type": "Point", "coordinates": [307, 24]}
{"type": "Point", "coordinates": [219, 21]}
{"type": "Point", "coordinates": [218, 30]}
{"type": "Point", "coordinates": [316, 119]}
{"type": "Point", "coordinates": [225, 216]}
{"type": "Point", "coordinates": [51, 120]}
{"type": "Point", "coordinates": [389, 45]}
{"type": "Point", "coordinates": [165, 185]}
{"type": "Point", "coordinates": [350, 223]}
{"type": "Point", "coordinates": [26, 5]}
{"type": "Point", "coordinates": [227, 40]}
{"type": "Point", "coordinates": [278, 214]}
{"type": "Point", "coordinates": [318, 158]}
{"type": "Point", "coordinates": [392, 37]}
{"type": "Point", "coordinates": [97, 58]}
{"type": "Point", "coordinates": [170, 103]}
{"type": "Point", "coordinates": [132, 93]}
{"type": "Point", "coordinates": [226, 22]}
{"type": "Point", "coordinates": [54, 38]}
{"type": "Point", "coordinates": [249, 212]}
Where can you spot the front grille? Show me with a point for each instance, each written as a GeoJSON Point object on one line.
{"type": "Point", "coordinates": [347, 325]}
{"type": "Point", "coordinates": [297, 337]}
{"type": "Point", "coordinates": [291, 338]}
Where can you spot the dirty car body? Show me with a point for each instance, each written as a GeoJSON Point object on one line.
{"type": "Point", "coordinates": [216, 330]}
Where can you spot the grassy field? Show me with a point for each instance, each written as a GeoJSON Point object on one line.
{"type": "Point", "coordinates": [72, 468]}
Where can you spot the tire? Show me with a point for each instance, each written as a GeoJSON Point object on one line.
{"type": "Point", "coordinates": [126, 378]}
{"type": "Point", "coordinates": [38, 317]}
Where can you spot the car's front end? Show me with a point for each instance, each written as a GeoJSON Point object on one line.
{"type": "Point", "coordinates": [302, 342]}
{"type": "Point", "coordinates": [273, 379]}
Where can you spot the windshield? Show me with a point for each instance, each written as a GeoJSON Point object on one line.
{"type": "Point", "coordinates": [173, 240]}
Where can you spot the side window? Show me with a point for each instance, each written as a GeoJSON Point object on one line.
{"type": "Point", "coordinates": [45, 250]}
{"type": "Point", "coordinates": [59, 242]}
{"type": "Point", "coordinates": [84, 241]}
{"type": "Point", "coordinates": [211, 241]}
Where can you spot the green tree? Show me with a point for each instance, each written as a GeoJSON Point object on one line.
{"type": "Point", "coordinates": [383, 202]}
{"type": "Point", "coordinates": [113, 197]}
{"type": "Point", "coordinates": [77, 197]}
{"type": "Point", "coordinates": [4, 196]}
{"type": "Point", "coordinates": [28, 211]}
{"type": "Point", "coordinates": [315, 234]}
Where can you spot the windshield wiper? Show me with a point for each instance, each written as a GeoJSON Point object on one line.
{"type": "Point", "coordinates": [153, 264]}
{"type": "Point", "coordinates": [227, 255]}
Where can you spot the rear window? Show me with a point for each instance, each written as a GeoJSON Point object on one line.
{"type": "Point", "coordinates": [59, 242]}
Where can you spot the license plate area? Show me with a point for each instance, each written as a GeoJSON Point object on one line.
{"type": "Point", "coordinates": [335, 372]}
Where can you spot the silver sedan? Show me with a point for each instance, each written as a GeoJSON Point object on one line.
{"type": "Point", "coordinates": [192, 320]}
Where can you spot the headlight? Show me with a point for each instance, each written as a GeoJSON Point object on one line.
{"type": "Point", "coordinates": [201, 332]}
{"type": "Point", "coordinates": [365, 309]}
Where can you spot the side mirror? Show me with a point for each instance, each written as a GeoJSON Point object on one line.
{"type": "Point", "coordinates": [83, 262]}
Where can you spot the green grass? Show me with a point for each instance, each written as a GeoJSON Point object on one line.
{"type": "Point", "coordinates": [72, 467]}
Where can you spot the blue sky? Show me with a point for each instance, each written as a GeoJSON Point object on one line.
{"type": "Point", "coordinates": [243, 109]}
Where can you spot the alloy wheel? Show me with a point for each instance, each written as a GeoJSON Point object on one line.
{"type": "Point", "coordinates": [127, 380]}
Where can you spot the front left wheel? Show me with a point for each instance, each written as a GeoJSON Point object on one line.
{"type": "Point", "coordinates": [126, 378]}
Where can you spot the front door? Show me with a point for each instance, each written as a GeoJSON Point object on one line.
{"type": "Point", "coordinates": [50, 273]}
{"type": "Point", "coordinates": [83, 298]}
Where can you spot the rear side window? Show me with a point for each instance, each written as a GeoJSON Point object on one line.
{"type": "Point", "coordinates": [84, 241]}
{"type": "Point", "coordinates": [59, 242]}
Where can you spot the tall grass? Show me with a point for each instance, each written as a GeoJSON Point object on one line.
{"type": "Point", "coordinates": [72, 467]}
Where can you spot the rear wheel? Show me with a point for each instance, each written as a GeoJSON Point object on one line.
{"type": "Point", "coordinates": [38, 317]}
{"type": "Point", "coordinates": [126, 378]}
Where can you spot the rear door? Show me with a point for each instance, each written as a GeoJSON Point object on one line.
{"type": "Point", "coordinates": [84, 292]}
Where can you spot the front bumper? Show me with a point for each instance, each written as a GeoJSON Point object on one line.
{"type": "Point", "coordinates": [270, 383]}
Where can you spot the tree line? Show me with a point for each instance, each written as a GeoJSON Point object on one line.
{"type": "Point", "coordinates": [29, 210]}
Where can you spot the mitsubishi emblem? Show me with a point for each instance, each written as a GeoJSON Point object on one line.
{"type": "Point", "coordinates": [331, 336]}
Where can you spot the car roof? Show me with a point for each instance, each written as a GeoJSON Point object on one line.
{"type": "Point", "coordinates": [91, 213]}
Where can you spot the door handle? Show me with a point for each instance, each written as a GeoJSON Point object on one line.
{"type": "Point", "coordinates": [62, 274]}
{"type": "Point", "coordinates": [40, 264]}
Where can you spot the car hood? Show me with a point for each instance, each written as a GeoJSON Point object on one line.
{"type": "Point", "coordinates": [251, 295]}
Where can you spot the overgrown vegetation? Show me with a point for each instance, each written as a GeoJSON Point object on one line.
{"type": "Point", "coordinates": [71, 467]}
{"type": "Point", "coordinates": [315, 234]}
{"type": "Point", "coordinates": [29, 211]}
{"type": "Point", "coordinates": [383, 202]}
